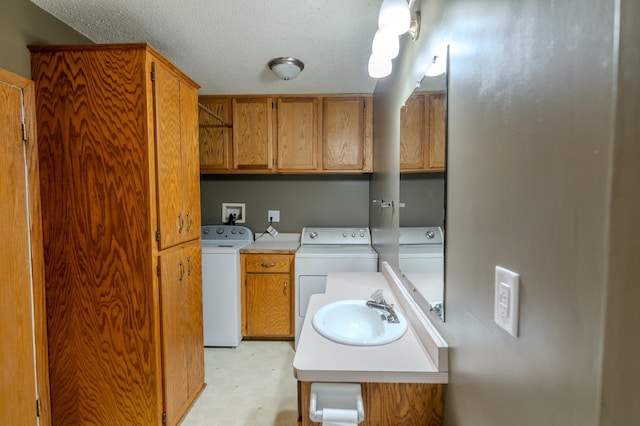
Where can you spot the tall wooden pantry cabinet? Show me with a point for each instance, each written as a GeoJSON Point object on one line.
{"type": "Point", "coordinates": [118, 152]}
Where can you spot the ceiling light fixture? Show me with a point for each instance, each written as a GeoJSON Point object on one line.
{"type": "Point", "coordinates": [286, 68]}
{"type": "Point", "coordinates": [394, 20]}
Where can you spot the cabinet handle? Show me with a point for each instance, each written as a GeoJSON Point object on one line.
{"type": "Point", "coordinates": [181, 274]}
{"type": "Point", "coordinates": [284, 288]}
{"type": "Point", "coordinates": [180, 222]}
{"type": "Point", "coordinates": [189, 222]}
{"type": "Point", "coordinates": [189, 265]}
{"type": "Point", "coordinates": [267, 265]}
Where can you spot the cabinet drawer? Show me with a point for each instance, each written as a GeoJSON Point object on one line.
{"type": "Point", "coordinates": [267, 263]}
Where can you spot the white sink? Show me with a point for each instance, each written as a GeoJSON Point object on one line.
{"type": "Point", "coordinates": [352, 322]}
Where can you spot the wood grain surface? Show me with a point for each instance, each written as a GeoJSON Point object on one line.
{"type": "Point", "coordinates": [391, 404]}
{"type": "Point", "coordinates": [95, 198]}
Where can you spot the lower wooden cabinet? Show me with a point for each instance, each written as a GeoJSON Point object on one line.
{"type": "Point", "coordinates": [267, 296]}
{"type": "Point", "coordinates": [182, 339]}
{"type": "Point", "coordinates": [389, 404]}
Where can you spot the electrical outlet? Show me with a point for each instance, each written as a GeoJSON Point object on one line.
{"type": "Point", "coordinates": [506, 307]}
{"type": "Point", "coordinates": [273, 216]}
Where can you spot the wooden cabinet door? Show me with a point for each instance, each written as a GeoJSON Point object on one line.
{"type": "Point", "coordinates": [269, 305]}
{"type": "Point", "coordinates": [182, 338]}
{"type": "Point", "coordinates": [343, 133]}
{"type": "Point", "coordinates": [193, 332]}
{"type": "Point", "coordinates": [20, 263]}
{"type": "Point", "coordinates": [171, 218]}
{"type": "Point", "coordinates": [174, 302]}
{"type": "Point", "coordinates": [414, 136]}
{"type": "Point", "coordinates": [178, 177]}
{"type": "Point", "coordinates": [253, 133]}
{"type": "Point", "coordinates": [437, 129]}
{"type": "Point", "coordinates": [297, 133]}
{"type": "Point", "coordinates": [190, 165]}
{"type": "Point", "coordinates": [215, 136]}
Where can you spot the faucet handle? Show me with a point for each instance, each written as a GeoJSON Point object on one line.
{"type": "Point", "coordinates": [378, 297]}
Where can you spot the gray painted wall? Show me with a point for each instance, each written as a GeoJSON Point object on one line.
{"type": "Point", "coordinates": [303, 200]}
{"type": "Point", "coordinates": [542, 179]}
{"type": "Point", "coordinates": [423, 196]}
{"type": "Point", "coordinates": [22, 23]}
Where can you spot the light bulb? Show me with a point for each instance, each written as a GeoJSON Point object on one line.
{"type": "Point", "coordinates": [386, 44]}
{"type": "Point", "coordinates": [379, 66]}
{"type": "Point", "coordinates": [395, 16]}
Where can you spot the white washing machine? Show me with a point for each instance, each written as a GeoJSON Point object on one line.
{"type": "Point", "coordinates": [421, 258]}
{"type": "Point", "coordinates": [221, 246]}
{"type": "Point", "coordinates": [421, 249]}
{"type": "Point", "coordinates": [325, 250]}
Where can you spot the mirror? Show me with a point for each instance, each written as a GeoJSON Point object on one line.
{"type": "Point", "coordinates": [422, 192]}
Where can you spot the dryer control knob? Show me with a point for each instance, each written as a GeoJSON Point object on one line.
{"type": "Point", "coordinates": [234, 231]}
{"type": "Point", "coordinates": [430, 234]}
{"type": "Point", "coordinates": [242, 231]}
{"type": "Point", "coordinates": [353, 235]}
{"type": "Point", "coordinates": [220, 230]}
{"type": "Point", "coordinates": [313, 235]}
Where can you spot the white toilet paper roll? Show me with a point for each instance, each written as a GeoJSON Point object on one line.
{"type": "Point", "coordinates": [339, 417]}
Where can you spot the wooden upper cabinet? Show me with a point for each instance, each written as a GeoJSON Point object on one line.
{"type": "Point", "coordinates": [422, 128]}
{"type": "Point", "coordinates": [437, 130]}
{"type": "Point", "coordinates": [215, 135]}
{"type": "Point", "coordinates": [343, 131]}
{"type": "Point", "coordinates": [293, 133]}
{"type": "Point", "coordinates": [297, 133]}
{"type": "Point", "coordinates": [253, 133]}
{"type": "Point", "coordinates": [178, 183]}
{"type": "Point", "coordinates": [414, 133]}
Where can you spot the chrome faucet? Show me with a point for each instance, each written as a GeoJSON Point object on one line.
{"type": "Point", "coordinates": [377, 302]}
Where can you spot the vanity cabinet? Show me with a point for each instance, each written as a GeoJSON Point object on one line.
{"type": "Point", "coordinates": [288, 134]}
{"type": "Point", "coordinates": [118, 154]}
{"type": "Point", "coordinates": [422, 133]}
{"type": "Point", "coordinates": [389, 404]}
{"type": "Point", "coordinates": [267, 295]}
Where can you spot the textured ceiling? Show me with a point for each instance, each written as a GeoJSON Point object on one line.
{"type": "Point", "coordinates": [225, 45]}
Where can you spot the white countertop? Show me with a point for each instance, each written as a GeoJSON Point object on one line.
{"type": "Point", "coordinates": [283, 242]}
{"type": "Point", "coordinates": [320, 359]}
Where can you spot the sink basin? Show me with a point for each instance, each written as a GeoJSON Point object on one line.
{"type": "Point", "coordinates": [352, 322]}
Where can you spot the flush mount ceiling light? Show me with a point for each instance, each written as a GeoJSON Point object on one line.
{"type": "Point", "coordinates": [394, 20]}
{"type": "Point", "coordinates": [286, 68]}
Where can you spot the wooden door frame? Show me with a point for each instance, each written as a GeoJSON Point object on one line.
{"type": "Point", "coordinates": [37, 253]}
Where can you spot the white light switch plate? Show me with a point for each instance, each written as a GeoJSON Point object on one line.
{"type": "Point", "coordinates": [506, 309]}
{"type": "Point", "coordinates": [273, 216]}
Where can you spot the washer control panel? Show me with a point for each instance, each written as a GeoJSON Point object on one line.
{"type": "Point", "coordinates": [335, 236]}
{"type": "Point", "coordinates": [226, 233]}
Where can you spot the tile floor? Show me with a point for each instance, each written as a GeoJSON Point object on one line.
{"type": "Point", "coordinates": [251, 385]}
